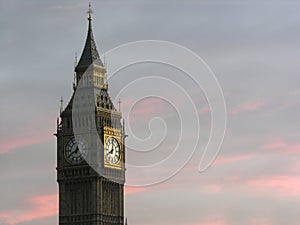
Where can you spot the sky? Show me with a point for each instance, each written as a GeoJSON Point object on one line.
{"type": "Point", "coordinates": [252, 47]}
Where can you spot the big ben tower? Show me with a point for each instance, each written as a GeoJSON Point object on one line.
{"type": "Point", "coordinates": [90, 149]}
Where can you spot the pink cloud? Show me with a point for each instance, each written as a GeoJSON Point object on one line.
{"type": "Point", "coordinates": [295, 168]}
{"type": "Point", "coordinates": [249, 106]}
{"type": "Point", "coordinates": [38, 207]}
{"type": "Point", "coordinates": [294, 92]}
{"type": "Point", "coordinates": [133, 190]}
{"type": "Point", "coordinates": [233, 158]}
{"type": "Point", "coordinates": [293, 148]}
{"type": "Point", "coordinates": [141, 108]}
{"type": "Point", "coordinates": [211, 220]}
{"type": "Point", "coordinates": [213, 223]}
{"type": "Point", "coordinates": [147, 106]}
{"type": "Point", "coordinates": [204, 109]}
{"type": "Point", "coordinates": [212, 188]}
{"type": "Point", "coordinates": [33, 132]}
{"type": "Point", "coordinates": [274, 145]}
{"type": "Point", "coordinates": [22, 141]}
{"type": "Point", "coordinates": [208, 222]}
{"type": "Point", "coordinates": [283, 185]}
{"type": "Point", "coordinates": [260, 221]}
{"type": "Point", "coordinates": [282, 146]}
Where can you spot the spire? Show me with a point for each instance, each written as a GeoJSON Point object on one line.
{"type": "Point", "coordinates": [89, 53]}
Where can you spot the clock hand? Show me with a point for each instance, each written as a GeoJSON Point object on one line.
{"type": "Point", "coordinates": [75, 151]}
{"type": "Point", "coordinates": [111, 151]}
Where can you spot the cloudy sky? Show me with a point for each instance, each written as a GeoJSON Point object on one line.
{"type": "Point", "coordinates": [252, 48]}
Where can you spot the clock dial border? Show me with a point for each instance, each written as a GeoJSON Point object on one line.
{"type": "Point", "coordinates": [112, 147]}
{"type": "Point", "coordinates": [116, 134]}
{"type": "Point", "coordinates": [83, 156]}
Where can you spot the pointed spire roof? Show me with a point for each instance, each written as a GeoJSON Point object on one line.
{"type": "Point", "coordinates": [89, 53]}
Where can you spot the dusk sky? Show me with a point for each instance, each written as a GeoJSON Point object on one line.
{"type": "Point", "coordinates": [253, 48]}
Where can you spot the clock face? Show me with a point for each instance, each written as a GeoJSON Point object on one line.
{"type": "Point", "coordinates": [76, 151]}
{"type": "Point", "coordinates": [112, 150]}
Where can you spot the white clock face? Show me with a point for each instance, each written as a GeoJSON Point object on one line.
{"type": "Point", "coordinates": [76, 151]}
{"type": "Point", "coordinates": [112, 150]}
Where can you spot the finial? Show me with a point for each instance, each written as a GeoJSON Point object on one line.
{"type": "Point", "coordinates": [75, 58]}
{"type": "Point", "coordinates": [125, 135]}
{"type": "Point", "coordinates": [75, 64]}
{"type": "Point", "coordinates": [105, 63]}
{"type": "Point", "coordinates": [90, 12]}
{"type": "Point", "coordinates": [61, 104]}
{"type": "Point", "coordinates": [104, 60]}
{"type": "Point", "coordinates": [119, 104]}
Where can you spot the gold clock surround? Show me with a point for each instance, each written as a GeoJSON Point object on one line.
{"type": "Point", "coordinates": [110, 132]}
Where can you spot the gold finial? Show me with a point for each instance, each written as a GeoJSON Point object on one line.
{"type": "Point", "coordinates": [90, 12]}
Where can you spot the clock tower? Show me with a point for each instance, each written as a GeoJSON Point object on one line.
{"type": "Point", "coordinates": [90, 147]}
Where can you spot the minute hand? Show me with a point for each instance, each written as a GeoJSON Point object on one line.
{"type": "Point", "coordinates": [75, 151]}
{"type": "Point", "coordinates": [112, 150]}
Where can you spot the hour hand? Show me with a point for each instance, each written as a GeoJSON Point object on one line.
{"type": "Point", "coordinates": [112, 150]}
{"type": "Point", "coordinates": [75, 151]}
